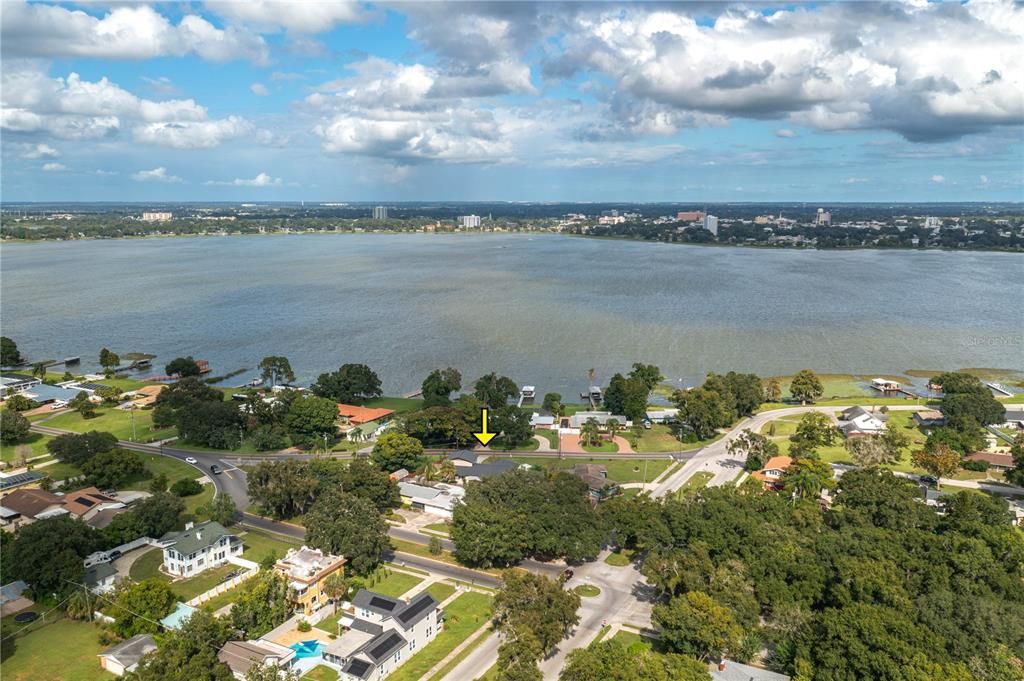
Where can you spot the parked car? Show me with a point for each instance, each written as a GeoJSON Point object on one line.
{"type": "Point", "coordinates": [58, 404]}
{"type": "Point", "coordinates": [928, 479]}
{"type": "Point", "coordinates": [191, 460]}
{"type": "Point", "coordinates": [647, 424]}
{"type": "Point", "coordinates": [215, 469]}
{"type": "Point", "coordinates": [114, 555]}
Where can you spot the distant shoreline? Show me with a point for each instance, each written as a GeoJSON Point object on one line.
{"type": "Point", "coordinates": [385, 233]}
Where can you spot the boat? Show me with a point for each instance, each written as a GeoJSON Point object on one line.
{"type": "Point", "coordinates": [72, 360]}
{"type": "Point", "coordinates": [256, 382]}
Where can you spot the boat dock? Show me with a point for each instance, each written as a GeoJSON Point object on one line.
{"type": "Point", "coordinates": [999, 388]}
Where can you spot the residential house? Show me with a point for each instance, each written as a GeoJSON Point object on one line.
{"type": "Point", "coordinates": [662, 415]}
{"type": "Point", "coordinates": [198, 547]}
{"type": "Point", "coordinates": [365, 432]}
{"type": "Point", "coordinates": [124, 657]}
{"type": "Point", "coordinates": [379, 634]}
{"type": "Point", "coordinates": [146, 395]}
{"type": "Point", "coordinates": [13, 598]}
{"type": "Point", "coordinates": [1014, 419]}
{"type": "Point", "coordinates": [771, 475]}
{"type": "Point", "coordinates": [240, 656]}
{"type": "Point", "coordinates": [541, 419]}
{"type": "Point", "coordinates": [10, 481]}
{"type": "Point", "coordinates": [857, 422]}
{"type": "Point", "coordinates": [439, 499]}
{"type": "Point", "coordinates": [100, 578]}
{"type": "Point", "coordinates": [929, 418]}
{"type": "Point", "coordinates": [88, 502]}
{"type": "Point", "coordinates": [47, 394]}
{"type": "Point", "coordinates": [577, 420]}
{"type": "Point", "coordinates": [399, 475]}
{"type": "Point", "coordinates": [596, 477]}
{"type": "Point", "coordinates": [26, 505]}
{"type": "Point", "coordinates": [999, 462]}
{"type": "Point", "coordinates": [727, 670]}
{"type": "Point", "coordinates": [351, 415]}
{"type": "Point", "coordinates": [307, 570]}
{"type": "Point", "coordinates": [11, 384]}
{"type": "Point", "coordinates": [469, 467]}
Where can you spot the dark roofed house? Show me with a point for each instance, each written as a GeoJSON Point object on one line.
{"type": "Point", "coordinates": [463, 457]}
{"type": "Point", "coordinates": [124, 657]}
{"type": "Point", "coordinates": [32, 504]}
{"type": "Point", "coordinates": [596, 478]}
{"type": "Point", "coordinates": [1000, 462]}
{"type": "Point", "coordinates": [479, 471]}
{"type": "Point", "coordinates": [100, 578]}
{"type": "Point", "coordinates": [1014, 419]}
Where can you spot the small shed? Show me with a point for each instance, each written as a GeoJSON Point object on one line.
{"type": "Point", "coordinates": [125, 656]}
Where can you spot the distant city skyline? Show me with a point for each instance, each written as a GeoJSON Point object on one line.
{"type": "Point", "coordinates": [347, 101]}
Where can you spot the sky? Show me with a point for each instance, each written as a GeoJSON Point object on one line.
{"type": "Point", "coordinates": [348, 101]}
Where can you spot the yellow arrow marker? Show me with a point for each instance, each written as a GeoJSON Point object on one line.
{"type": "Point", "coordinates": [484, 437]}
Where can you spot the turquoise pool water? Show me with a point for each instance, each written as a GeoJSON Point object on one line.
{"type": "Point", "coordinates": [304, 649]}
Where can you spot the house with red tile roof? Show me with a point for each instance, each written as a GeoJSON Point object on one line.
{"type": "Point", "coordinates": [771, 475]}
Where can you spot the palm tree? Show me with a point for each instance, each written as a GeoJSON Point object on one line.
{"type": "Point", "coordinates": [39, 370]}
{"type": "Point", "coordinates": [807, 477]}
{"type": "Point", "coordinates": [590, 433]}
{"type": "Point", "coordinates": [81, 605]}
{"type": "Point", "coordinates": [428, 471]}
{"type": "Point", "coordinates": [447, 472]}
{"type": "Point", "coordinates": [336, 588]}
{"type": "Point", "coordinates": [613, 427]}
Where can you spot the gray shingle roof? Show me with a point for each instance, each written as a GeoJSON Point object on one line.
{"type": "Point", "coordinates": [375, 602]}
{"type": "Point", "coordinates": [198, 538]}
{"type": "Point", "coordinates": [130, 651]}
{"type": "Point", "coordinates": [418, 608]}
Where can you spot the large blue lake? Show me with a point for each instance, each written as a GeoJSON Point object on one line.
{"type": "Point", "coordinates": [541, 309]}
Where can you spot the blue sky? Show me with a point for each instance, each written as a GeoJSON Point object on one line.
{"type": "Point", "coordinates": [347, 101]}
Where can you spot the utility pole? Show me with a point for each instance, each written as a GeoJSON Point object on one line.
{"type": "Point", "coordinates": [131, 412]}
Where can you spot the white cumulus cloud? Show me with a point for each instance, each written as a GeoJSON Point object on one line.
{"type": "Point", "coordinates": [309, 16]}
{"type": "Point", "coordinates": [54, 167]}
{"type": "Point", "coordinates": [785, 133]}
{"type": "Point", "coordinates": [261, 180]}
{"type": "Point", "coordinates": [155, 175]}
{"type": "Point", "coordinates": [259, 89]}
{"type": "Point", "coordinates": [938, 179]}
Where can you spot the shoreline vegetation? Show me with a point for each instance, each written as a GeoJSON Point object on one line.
{"type": "Point", "coordinates": [8, 240]}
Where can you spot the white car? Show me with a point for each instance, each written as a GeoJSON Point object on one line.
{"type": "Point", "coordinates": [191, 460]}
{"type": "Point", "coordinates": [58, 404]}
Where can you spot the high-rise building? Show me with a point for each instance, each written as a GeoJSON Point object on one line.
{"type": "Point", "coordinates": [689, 216]}
{"type": "Point", "coordinates": [711, 224]}
{"type": "Point", "coordinates": [380, 212]}
{"type": "Point", "coordinates": [156, 217]}
{"type": "Point", "coordinates": [932, 222]}
{"type": "Point", "coordinates": [469, 221]}
{"type": "Point", "coordinates": [823, 217]}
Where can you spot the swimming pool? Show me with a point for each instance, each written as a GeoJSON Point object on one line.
{"type": "Point", "coordinates": [304, 649]}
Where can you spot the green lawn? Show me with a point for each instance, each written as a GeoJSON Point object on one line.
{"type": "Point", "coordinates": [550, 435]}
{"type": "Point", "coordinates": [440, 590]}
{"type": "Point", "coordinates": [33, 445]}
{"type": "Point", "coordinates": [619, 558]}
{"type": "Point", "coordinates": [63, 651]}
{"type": "Point", "coordinates": [147, 567]}
{"type": "Point", "coordinates": [606, 447]}
{"type": "Point", "coordinates": [438, 527]}
{"type": "Point", "coordinates": [587, 590]}
{"type": "Point", "coordinates": [197, 501]}
{"type": "Point", "coordinates": [397, 404]}
{"type": "Point", "coordinates": [391, 583]}
{"type": "Point", "coordinates": [498, 444]}
{"type": "Point", "coordinates": [696, 482]}
{"type": "Point", "coordinates": [320, 673]}
{"type": "Point", "coordinates": [116, 421]}
{"type": "Point", "coordinates": [619, 470]}
{"type": "Point", "coordinates": [659, 439]}
{"type": "Point", "coordinates": [462, 617]}
{"type": "Point", "coordinates": [256, 545]}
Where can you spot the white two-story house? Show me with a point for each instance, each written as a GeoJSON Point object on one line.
{"type": "Point", "coordinates": [198, 547]}
{"type": "Point", "coordinates": [379, 634]}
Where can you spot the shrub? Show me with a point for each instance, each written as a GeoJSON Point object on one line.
{"type": "Point", "coordinates": [186, 488]}
{"type": "Point", "coordinates": [971, 465]}
{"type": "Point", "coordinates": [304, 626]}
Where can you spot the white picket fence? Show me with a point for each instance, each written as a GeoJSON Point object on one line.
{"type": "Point", "coordinates": [251, 569]}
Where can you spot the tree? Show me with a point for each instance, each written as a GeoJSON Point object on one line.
{"type": "Point", "coordinates": [182, 367]}
{"type": "Point", "coordinates": [940, 462]}
{"type": "Point", "coordinates": [13, 427]}
{"type": "Point", "coordinates": [81, 605]}
{"type": "Point", "coordinates": [109, 393]}
{"type": "Point", "coordinates": [282, 489]}
{"type": "Point", "coordinates": [179, 395]}
{"type": "Point", "coordinates": [753, 448]}
{"type": "Point", "coordinates": [746, 391]}
{"type": "Point", "coordinates": [702, 410]}
{"type": "Point", "coordinates": [139, 606]}
{"type": "Point", "coordinates": [223, 509]}
{"type": "Point", "coordinates": [151, 517]}
{"type": "Point", "coordinates": [348, 525]}
{"type": "Point", "coordinates": [263, 605]}
{"type": "Point", "coordinates": [966, 411]}
{"type": "Point", "coordinates": [806, 386]}
{"type": "Point", "coordinates": [895, 440]}
{"type": "Point", "coordinates": [613, 427]}
{"type": "Point", "coordinates": [83, 405]}
{"type": "Point", "coordinates": [494, 391]}
{"type": "Point", "coordinates": [312, 419]}
{"type": "Point", "coordinates": [695, 624]}
{"type": "Point", "coordinates": [39, 370]}
{"type": "Point", "coordinates": [110, 470]}
{"type": "Point", "coordinates": [772, 390]}
{"type": "Point", "coordinates": [648, 374]}
{"type": "Point", "coordinates": [351, 383]}
{"type": "Point", "coordinates": [627, 396]}
{"type": "Point", "coordinates": [362, 479]}
{"type": "Point", "coordinates": [109, 360]}
{"type": "Point", "coordinates": [590, 433]}
{"type": "Point", "coordinates": [18, 402]}
{"type": "Point", "coordinates": [553, 404]}
{"type": "Point", "coordinates": [210, 424]}
{"type": "Point", "coordinates": [446, 471]}
{"type": "Point", "coordinates": [441, 426]}
{"type": "Point", "coordinates": [394, 450]}
{"type": "Point", "coordinates": [76, 449]}
{"type": "Point", "coordinates": [190, 653]}
{"type": "Point", "coordinates": [434, 546]}
{"type": "Point", "coordinates": [814, 430]}
{"type": "Point", "coordinates": [9, 354]}
{"type": "Point", "coordinates": [439, 385]}
{"type": "Point", "coordinates": [270, 672]}
{"type": "Point", "coordinates": [275, 368]}
{"type": "Point", "coordinates": [48, 554]}
{"type": "Point", "coordinates": [611, 660]}
{"type": "Point", "coordinates": [536, 604]}
{"type": "Point", "coordinates": [868, 451]}
{"type": "Point", "coordinates": [1015, 475]}
{"type": "Point", "coordinates": [807, 477]}
{"type": "Point", "coordinates": [518, 656]}
{"type": "Point", "coordinates": [186, 487]}
{"type": "Point", "coordinates": [268, 438]}
{"type": "Point", "coordinates": [513, 424]}
{"type": "Point", "coordinates": [336, 588]}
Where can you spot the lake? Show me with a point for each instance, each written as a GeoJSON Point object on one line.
{"type": "Point", "coordinates": [542, 309]}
